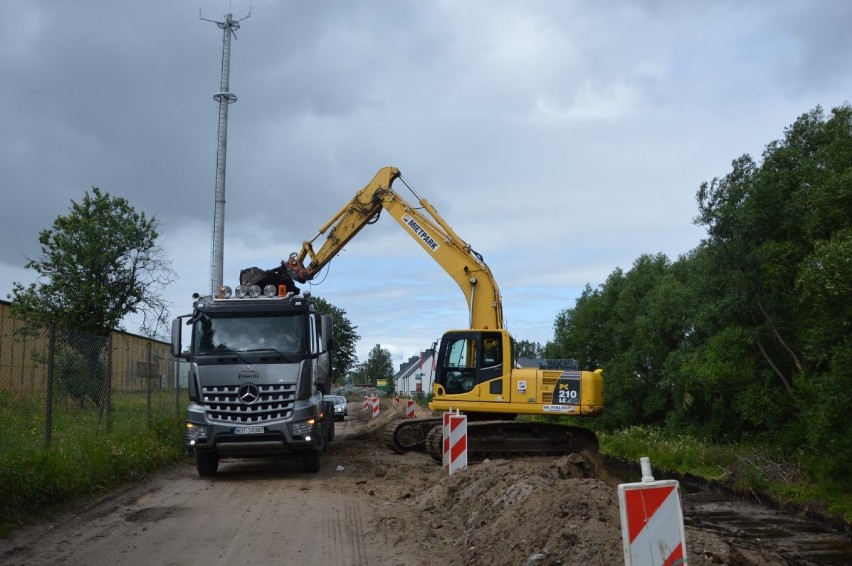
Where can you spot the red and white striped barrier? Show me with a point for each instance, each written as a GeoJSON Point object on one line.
{"type": "Point", "coordinates": [409, 409]}
{"type": "Point", "coordinates": [652, 521]}
{"type": "Point", "coordinates": [455, 442]}
{"type": "Point", "coordinates": [445, 438]}
{"type": "Point", "coordinates": [375, 406]}
{"type": "Point", "coordinates": [367, 404]}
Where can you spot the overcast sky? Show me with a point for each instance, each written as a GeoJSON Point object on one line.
{"type": "Point", "coordinates": [561, 139]}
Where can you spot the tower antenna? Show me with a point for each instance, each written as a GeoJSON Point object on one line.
{"type": "Point", "coordinates": [224, 97]}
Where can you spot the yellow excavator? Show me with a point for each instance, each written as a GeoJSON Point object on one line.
{"type": "Point", "coordinates": [475, 370]}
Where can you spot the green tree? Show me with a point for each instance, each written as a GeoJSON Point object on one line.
{"type": "Point", "coordinates": [345, 339]}
{"type": "Point", "coordinates": [773, 221]}
{"type": "Point", "coordinates": [723, 387]}
{"type": "Point", "coordinates": [784, 227]}
{"type": "Point", "coordinates": [527, 349]}
{"type": "Point", "coordinates": [357, 375]}
{"type": "Point", "coordinates": [99, 263]}
{"type": "Point", "coordinates": [379, 365]}
{"type": "Point", "coordinates": [748, 334]}
{"type": "Point", "coordinates": [635, 381]}
{"type": "Point", "coordinates": [583, 332]}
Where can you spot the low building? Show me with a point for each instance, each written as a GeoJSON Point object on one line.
{"type": "Point", "coordinates": [416, 376]}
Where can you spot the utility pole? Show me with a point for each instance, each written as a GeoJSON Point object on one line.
{"type": "Point", "coordinates": [224, 97]}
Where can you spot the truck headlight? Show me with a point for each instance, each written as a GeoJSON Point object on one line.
{"type": "Point", "coordinates": [195, 432]}
{"type": "Point", "coordinates": [304, 428]}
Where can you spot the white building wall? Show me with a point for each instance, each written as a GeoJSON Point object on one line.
{"type": "Point", "coordinates": [407, 379]}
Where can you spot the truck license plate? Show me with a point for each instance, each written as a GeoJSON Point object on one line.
{"type": "Point", "coordinates": [248, 430]}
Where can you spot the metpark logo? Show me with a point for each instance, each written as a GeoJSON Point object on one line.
{"type": "Point", "coordinates": [421, 233]}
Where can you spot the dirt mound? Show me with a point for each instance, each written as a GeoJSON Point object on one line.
{"type": "Point", "coordinates": [528, 512]}
{"type": "Point", "coordinates": [531, 511]}
{"type": "Point", "coordinates": [373, 426]}
{"type": "Point", "coordinates": [542, 512]}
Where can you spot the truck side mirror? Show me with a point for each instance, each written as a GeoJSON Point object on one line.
{"type": "Point", "coordinates": [176, 339]}
{"type": "Point", "coordinates": [326, 324]}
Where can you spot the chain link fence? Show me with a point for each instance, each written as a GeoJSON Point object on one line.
{"type": "Point", "coordinates": [58, 384]}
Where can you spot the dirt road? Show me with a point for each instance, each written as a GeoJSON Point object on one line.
{"type": "Point", "coordinates": [253, 512]}
{"type": "Point", "coordinates": [366, 507]}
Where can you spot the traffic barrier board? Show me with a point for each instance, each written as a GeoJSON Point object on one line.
{"type": "Point", "coordinates": [455, 442]}
{"type": "Point", "coordinates": [652, 523]}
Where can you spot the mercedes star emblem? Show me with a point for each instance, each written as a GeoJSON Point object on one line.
{"type": "Point", "coordinates": [248, 393]}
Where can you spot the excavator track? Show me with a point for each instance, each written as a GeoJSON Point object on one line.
{"type": "Point", "coordinates": [511, 439]}
{"type": "Point", "coordinates": [409, 435]}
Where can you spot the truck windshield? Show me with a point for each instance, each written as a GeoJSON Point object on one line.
{"type": "Point", "coordinates": [237, 332]}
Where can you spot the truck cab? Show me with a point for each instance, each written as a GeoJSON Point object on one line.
{"type": "Point", "coordinates": [259, 365]}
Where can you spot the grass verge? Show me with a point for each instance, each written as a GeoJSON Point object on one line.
{"type": "Point", "coordinates": [745, 468]}
{"type": "Point", "coordinates": [83, 459]}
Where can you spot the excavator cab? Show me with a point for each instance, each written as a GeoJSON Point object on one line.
{"type": "Point", "coordinates": [459, 357]}
{"type": "Point", "coordinates": [471, 358]}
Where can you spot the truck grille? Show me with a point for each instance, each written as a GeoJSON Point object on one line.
{"type": "Point", "coordinates": [274, 402]}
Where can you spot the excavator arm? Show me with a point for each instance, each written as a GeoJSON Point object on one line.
{"type": "Point", "coordinates": [425, 225]}
{"type": "Point", "coordinates": [475, 371]}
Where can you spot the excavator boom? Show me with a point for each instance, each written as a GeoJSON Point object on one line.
{"type": "Point", "coordinates": [425, 225]}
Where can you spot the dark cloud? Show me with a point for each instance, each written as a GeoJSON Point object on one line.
{"type": "Point", "coordinates": [535, 120]}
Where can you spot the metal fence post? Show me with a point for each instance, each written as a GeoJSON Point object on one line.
{"type": "Point", "coordinates": [48, 402]}
{"type": "Point", "coordinates": [108, 385]}
{"type": "Point", "coordinates": [149, 378]}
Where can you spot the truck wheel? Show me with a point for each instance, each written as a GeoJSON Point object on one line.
{"type": "Point", "coordinates": [206, 463]}
{"type": "Point", "coordinates": [311, 461]}
{"type": "Point", "coordinates": [322, 441]}
{"type": "Point", "coordinates": [330, 425]}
